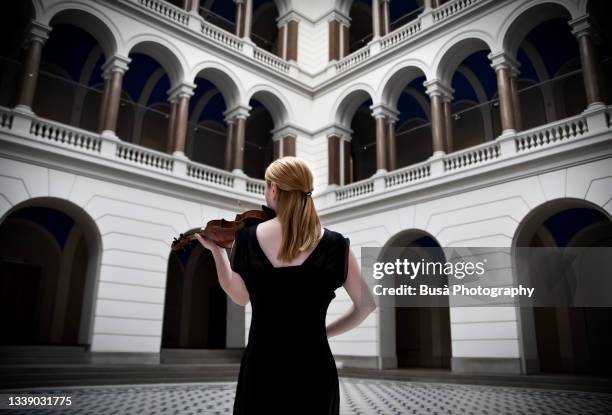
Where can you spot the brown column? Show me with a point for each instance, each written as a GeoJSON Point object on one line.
{"type": "Point", "coordinates": [229, 145]}
{"type": "Point", "coordinates": [386, 19]}
{"type": "Point", "coordinates": [448, 125]}
{"type": "Point", "coordinates": [375, 19]}
{"type": "Point", "coordinates": [516, 103]}
{"type": "Point", "coordinates": [280, 42]}
{"type": "Point", "coordinates": [171, 126]}
{"type": "Point", "coordinates": [292, 40]}
{"type": "Point", "coordinates": [239, 142]}
{"type": "Point", "coordinates": [194, 7]}
{"type": "Point", "coordinates": [277, 149]}
{"type": "Point", "coordinates": [381, 141]}
{"type": "Point", "coordinates": [334, 40]}
{"type": "Point", "coordinates": [34, 44]}
{"type": "Point", "coordinates": [391, 145]}
{"type": "Point", "coordinates": [505, 98]}
{"type": "Point", "coordinates": [114, 98]}
{"type": "Point", "coordinates": [248, 17]}
{"type": "Point", "coordinates": [289, 145]}
{"type": "Point", "coordinates": [437, 123]}
{"type": "Point", "coordinates": [239, 17]}
{"type": "Point", "coordinates": [348, 172]}
{"type": "Point", "coordinates": [592, 84]}
{"type": "Point", "coordinates": [104, 103]}
{"type": "Point", "coordinates": [333, 159]}
{"type": "Point", "coordinates": [180, 128]}
{"type": "Point", "coordinates": [346, 40]}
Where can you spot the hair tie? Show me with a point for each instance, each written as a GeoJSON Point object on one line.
{"type": "Point", "coordinates": [306, 194]}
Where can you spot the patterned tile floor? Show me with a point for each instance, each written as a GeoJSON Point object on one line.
{"type": "Point", "coordinates": [358, 396]}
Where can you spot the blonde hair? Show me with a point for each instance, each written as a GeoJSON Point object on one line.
{"type": "Point", "coordinates": [300, 224]}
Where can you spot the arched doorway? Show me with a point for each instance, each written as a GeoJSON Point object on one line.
{"type": "Point", "coordinates": [566, 339]}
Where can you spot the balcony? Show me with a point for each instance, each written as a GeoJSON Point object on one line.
{"type": "Point", "coordinates": [580, 131]}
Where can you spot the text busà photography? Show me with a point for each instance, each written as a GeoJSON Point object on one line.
{"type": "Point", "coordinates": [317, 207]}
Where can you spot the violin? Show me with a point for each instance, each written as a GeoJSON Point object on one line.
{"type": "Point", "coordinates": [221, 231]}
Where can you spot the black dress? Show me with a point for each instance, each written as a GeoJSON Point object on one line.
{"type": "Point", "coordinates": [287, 366]}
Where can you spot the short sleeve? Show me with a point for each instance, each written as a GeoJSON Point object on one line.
{"type": "Point", "coordinates": [237, 253]}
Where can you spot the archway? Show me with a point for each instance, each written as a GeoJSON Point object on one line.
{"type": "Point", "coordinates": [565, 339]}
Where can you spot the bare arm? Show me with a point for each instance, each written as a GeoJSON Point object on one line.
{"type": "Point", "coordinates": [231, 282]}
{"type": "Point", "coordinates": [363, 301]}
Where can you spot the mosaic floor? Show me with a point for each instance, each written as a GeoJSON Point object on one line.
{"type": "Point", "coordinates": [358, 396]}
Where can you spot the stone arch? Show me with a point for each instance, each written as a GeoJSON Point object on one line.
{"type": "Point", "coordinates": [349, 101]}
{"type": "Point", "coordinates": [457, 50]}
{"type": "Point", "coordinates": [223, 78]}
{"type": "Point", "coordinates": [171, 60]}
{"type": "Point", "coordinates": [398, 77]}
{"type": "Point", "coordinates": [274, 102]}
{"type": "Point", "coordinates": [93, 240]}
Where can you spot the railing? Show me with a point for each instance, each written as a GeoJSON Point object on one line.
{"type": "Point", "coordinates": [221, 36]}
{"type": "Point", "coordinates": [452, 8]}
{"type": "Point", "coordinates": [353, 59]}
{"type": "Point", "coordinates": [400, 35]}
{"type": "Point", "coordinates": [552, 133]}
{"type": "Point", "coordinates": [270, 60]}
{"type": "Point", "coordinates": [257, 187]}
{"type": "Point", "coordinates": [6, 118]}
{"type": "Point", "coordinates": [144, 157]}
{"type": "Point", "coordinates": [408, 174]}
{"type": "Point", "coordinates": [355, 190]}
{"type": "Point", "coordinates": [473, 156]}
{"type": "Point", "coordinates": [65, 135]}
{"type": "Point", "coordinates": [167, 10]}
{"type": "Point", "coordinates": [209, 174]}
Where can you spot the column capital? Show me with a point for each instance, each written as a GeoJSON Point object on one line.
{"type": "Point", "coordinates": [37, 32]}
{"type": "Point", "coordinates": [382, 110]}
{"type": "Point", "coordinates": [288, 17]}
{"type": "Point", "coordinates": [284, 131]}
{"type": "Point", "coordinates": [239, 111]}
{"type": "Point", "coordinates": [335, 15]}
{"type": "Point", "coordinates": [502, 60]}
{"type": "Point", "coordinates": [181, 90]}
{"type": "Point", "coordinates": [116, 63]}
{"type": "Point", "coordinates": [337, 130]}
{"type": "Point", "coordinates": [581, 26]}
{"type": "Point", "coordinates": [437, 87]}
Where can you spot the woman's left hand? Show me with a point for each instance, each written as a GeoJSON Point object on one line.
{"type": "Point", "coordinates": [207, 243]}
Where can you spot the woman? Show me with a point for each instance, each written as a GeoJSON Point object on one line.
{"type": "Point", "coordinates": [288, 268]}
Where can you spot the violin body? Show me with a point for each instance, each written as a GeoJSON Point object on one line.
{"type": "Point", "coordinates": [221, 231]}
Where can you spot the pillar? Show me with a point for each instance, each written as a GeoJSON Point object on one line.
{"type": "Point", "coordinates": [171, 125]}
{"type": "Point", "coordinates": [280, 42]}
{"type": "Point", "coordinates": [239, 17]}
{"type": "Point", "coordinates": [194, 7]}
{"type": "Point", "coordinates": [333, 159]}
{"type": "Point", "coordinates": [240, 115]}
{"type": "Point", "coordinates": [104, 103]}
{"type": "Point", "coordinates": [386, 17]}
{"type": "Point", "coordinates": [582, 29]}
{"type": "Point", "coordinates": [381, 141]}
{"type": "Point", "coordinates": [516, 101]}
{"type": "Point", "coordinates": [181, 94]}
{"type": "Point", "coordinates": [291, 45]}
{"type": "Point", "coordinates": [438, 92]}
{"type": "Point", "coordinates": [229, 145]}
{"type": "Point", "coordinates": [289, 145]}
{"type": "Point", "coordinates": [277, 148]}
{"type": "Point", "coordinates": [35, 40]}
{"type": "Point", "coordinates": [448, 123]}
{"type": "Point", "coordinates": [504, 66]}
{"type": "Point", "coordinates": [248, 17]}
{"type": "Point", "coordinates": [334, 40]}
{"type": "Point", "coordinates": [375, 19]}
{"type": "Point", "coordinates": [114, 69]}
{"type": "Point", "coordinates": [346, 37]}
{"type": "Point", "coordinates": [391, 144]}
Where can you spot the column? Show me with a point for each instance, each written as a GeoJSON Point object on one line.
{"type": "Point", "coordinates": [375, 19]}
{"type": "Point", "coordinates": [181, 93]}
{"type": "Point", "coordinates": [392, 143]}
{"type": "Point", "coordinates": [104, 103]}
{"type": "Point", "coordinates": [171, 125]}
{"type": "Point", "coordinates": [334, 40]}
{"type": "Point", "coordinates": [194, 7]}
{"type": "Point", "coordinates": [239, 17]}
{"type": "Point", "coordinates": [248, 17]}
{"type": "Point", "coordinates": [516, 100]}
{"type": "Point", "coordinates": [503, 66]}
{"type": "Point", "coordinates": [333, 159]}
{"type": "Point", "coordinates": [229, 145]}
{"type": "Point", "coordinates": [386, 17]}
{"type": "Point", "coordinates": [291, 45]}
{"type": "Point", "coordinates": [277, 147]}
{"type": "Point", "coordinates": [289, 145]}
{"type": "Point", "coordinates": [35, 40]}
{"type": "Point", "coordinates": [437, 92]}
{"type": "Point", "coordinates": [114, 68]}
{"type": "Point", "coordinates": [281, 49]}
{"type": "Point", "coordinates": [448, 123]}
{"type": "Point", "coordinates": [381, 138]}
{"type": "Point", "coordinates": [348, 161]}
{"type": "Point", "coordinates": [346, 38]}
{"type": "Point", "coordinates": [240, 115]}
{"type": "Point", "coordinates": [583, 31]}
